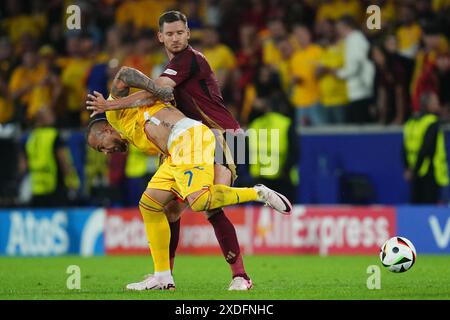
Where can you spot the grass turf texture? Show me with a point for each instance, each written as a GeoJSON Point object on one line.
{"type": "Point", "coordinates": [207, 277]}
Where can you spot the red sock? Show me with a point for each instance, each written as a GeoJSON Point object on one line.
{"type": "Point", "coordinates": [174, 237]}
{"type": "Point", "coordinates": [226, 236]}
{"type": "Point", "coordinates": [238, 269]}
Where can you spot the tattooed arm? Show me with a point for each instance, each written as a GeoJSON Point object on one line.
{"type": "Point", "coordinates": [131, 77]}
{"type": "Point", "coordinates": [126, 78]}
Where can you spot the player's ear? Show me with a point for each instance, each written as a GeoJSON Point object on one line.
{"type": "Point", "coordinates": [188, 33]}
{"type": "Point", "coordinates": [160, 37]}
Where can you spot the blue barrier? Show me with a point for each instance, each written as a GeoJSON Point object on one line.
{"type": "Point", "coordinates": [427, 227]}
{"type": "Point", "coordinates": [326, 157]}
{"type": "Point", "coordinates": [51, 232]}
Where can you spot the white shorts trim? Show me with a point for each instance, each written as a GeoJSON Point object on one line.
{"type": "Point", "coordinates": [179, 128]}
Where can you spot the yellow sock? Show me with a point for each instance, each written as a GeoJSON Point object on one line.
{"type": "Point", "coordinates": [158, 231]}
{"type": "Point", "coordinates": [220, 195]}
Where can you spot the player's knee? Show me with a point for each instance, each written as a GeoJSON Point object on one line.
{"type": "Point", "coordinates": [148, 205]}
{"type": "Point", "coordinates": [200, 201]}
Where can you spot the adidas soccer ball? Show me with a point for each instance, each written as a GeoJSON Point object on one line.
{"type": "Point", "coordinates": [398, 254]}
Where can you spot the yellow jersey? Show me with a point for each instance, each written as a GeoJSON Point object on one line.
{"type": "Point", "coordinates": [73, 78]}
{"type": "Point", "coordinates": [333, 91]}
{"type": "Point", "coordinates": [130, 124]}
{"type": "Point", "coordinates": [336, 9]}
{"type": "Point", "coordinates": [303, 65]}
{"type": "Point", "coordinates": [409, 39]}
{"type": "Point", "coordinates": [21, 77]}
{"type": "Point", "coordinates": [220, 57]}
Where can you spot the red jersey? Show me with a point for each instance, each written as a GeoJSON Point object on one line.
{"type": "Point", "coordinates": [197, 91]}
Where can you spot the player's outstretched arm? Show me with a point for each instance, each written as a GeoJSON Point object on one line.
{"type": "Point", "coordinates": [98, 104]}
{"type": "Point", "coordinates": [134, 78]}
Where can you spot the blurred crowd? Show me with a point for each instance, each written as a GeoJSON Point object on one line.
{"type": "Point", "coordinates": [319, 55]}
{"type": "Point", "coordinates": [315, 61]}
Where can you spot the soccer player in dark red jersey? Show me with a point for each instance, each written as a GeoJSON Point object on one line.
{"type": "Point", "coordinates": [189, 79]}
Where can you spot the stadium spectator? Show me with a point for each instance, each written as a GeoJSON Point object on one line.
{"type": "Point", "coordinates": [6, 106]}
{"type": "Point", "coordinates": [391, 85]}
{"type": "Point", "coordinates": [230, 20]}
{"type": "Point", "coordinates": [284, 66]}
{"type": "Point", "coordinates": [115, 48]}
{"type": "Point", "coordinates": [426, 71]}
{"type": "Point", "coordinates": [295, 11]}
{"type": "Point", "coordinates": [271, 54]}
{"type": "Point", "coordinates": [411, 53]}
{"type": "Point", "coordinates": [18, 23]}
{"type": "Point", "coordinates": [424, 11]}
{"type": "Point", "coordinates": [222, 61]}
{"type": "Point", "coordinates": [424, 152]}
{"type": "Point", "coordinates": [7, 61]}
{"type": "Point", "coordinates": [142, 13]}
{"type": "Point", "coordinates": [408, 33]}
{"type": "Point", "coordinates": [212, 13]}
{"type": "Point", "coordinates": [140, 56]}
{"type": "Point", "coordinates": [74, 74]}
{"type": "Point", "coordinates": [305, 85]}
{"type": "Point", "coordinates": [22, 82]}
{"type": "Point", "coordinates": [248, 58]}
{"type": "Point", "coordinates": [48, 92]}
{"type": "Point", "coordinates": [332, 90]}
{"type": "Point", "coordinates": [388, 12]}
{"type": "Point", "coordinates": [358, 71]}
{"type": "Point", "coordinates": [195, 10]}
{"type": "Point", "coordinates": [336, 9]}
{"type": "Point", "coordinates": [53, 178]}
{"type": "Point", "coordinates": [255, 13]}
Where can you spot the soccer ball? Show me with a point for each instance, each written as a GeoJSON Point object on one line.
{"type": "Point", "coordinates": [398, 254]}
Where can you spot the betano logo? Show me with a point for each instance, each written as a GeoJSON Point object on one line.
{"type": "Point", "coordinates": [121, 233]}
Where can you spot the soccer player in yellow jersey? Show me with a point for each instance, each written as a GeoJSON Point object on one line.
{"type": "Point", "coordinates": [186, 173]}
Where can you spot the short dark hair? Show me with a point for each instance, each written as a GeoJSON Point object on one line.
{"type": "Point", "coordinates": [93, 124]}
{"type": "Point", "coordinates": [171, 16]}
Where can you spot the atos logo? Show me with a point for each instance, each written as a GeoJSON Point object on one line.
{"type": "Point", "coordinates": [34, 235]}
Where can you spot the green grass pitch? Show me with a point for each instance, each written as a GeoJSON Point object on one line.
{"type": "Point", "coordinates": [207, 277]}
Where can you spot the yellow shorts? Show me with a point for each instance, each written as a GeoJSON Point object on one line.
{"type": "Point", "coordinates": [190, 164]}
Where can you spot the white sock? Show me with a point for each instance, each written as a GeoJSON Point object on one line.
{"type": "Point", "coordinates": [164, 277]}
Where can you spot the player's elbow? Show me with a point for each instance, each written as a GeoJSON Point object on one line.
{"type": "Point", "coordinates": [124, 69]}
{"type": "Point", "coordinates": [124, 73]}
